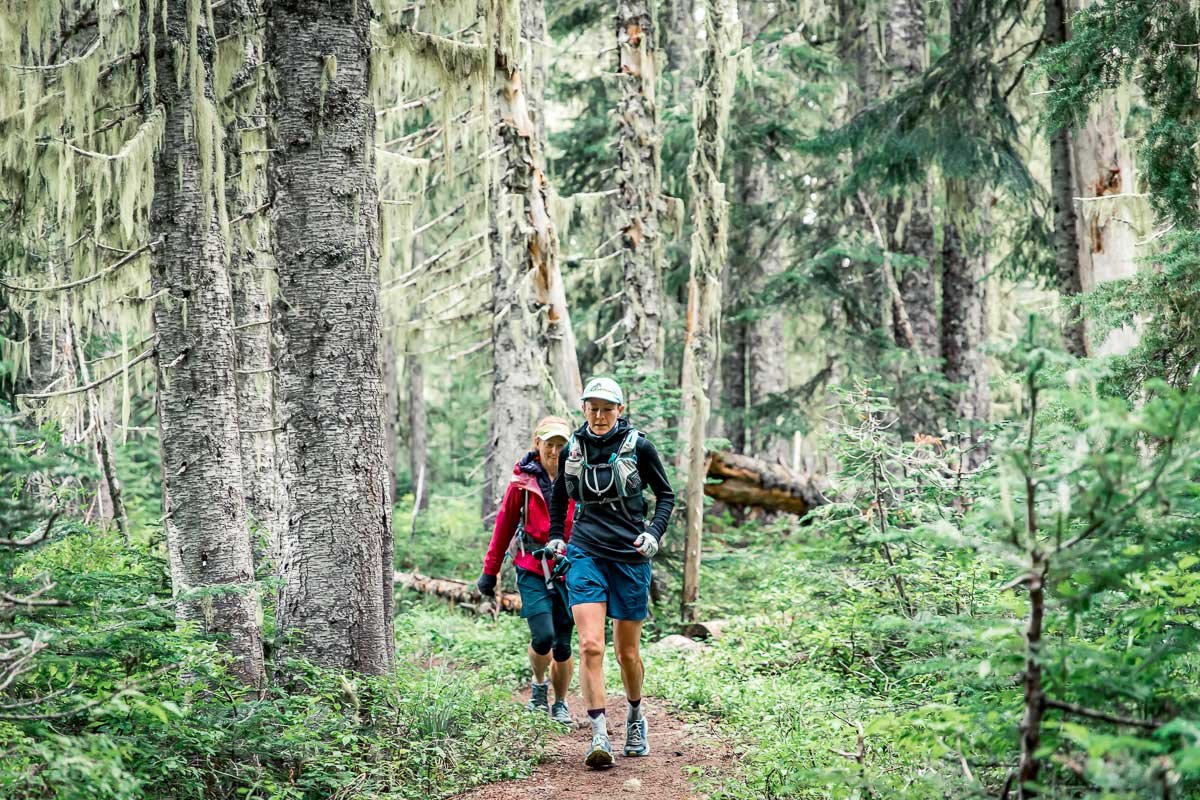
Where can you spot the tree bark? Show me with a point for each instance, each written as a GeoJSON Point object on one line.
{"type": "Point", "coordinates": [718, 72]}
{"type": "Point", "coordinates": [250, 266]}
{"type": "Point", "coordinates": [678, 24]}
{"type": "Point", "coordinates": [964, 315]}
{"type": "Point", "coordinates": [1035, 698]}
{"type": "Point", "coordinates": [1067, 256]}
{"type": "Point", "coordinates": [766, 344]}
{"type": "Point", "coordinates": [964, 285]}
{"type": "Point", "coordinates": [638, 200]}
{"type": "Point", "coordinates": [910, 220]}
{"type": "Point", "coordinates": [418, 442]}
{"type": "Point", "coordinates": [1107, 240]}
{"type": "Point", "coordinates": [203, 493]}
{"type": "Point", "coordinates": [533, 353]}
{"type": "Point", "coordinates": [733, 368]}
{"type": "Point", "coordinates": [334, 601]}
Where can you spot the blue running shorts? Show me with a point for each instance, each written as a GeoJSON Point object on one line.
{"type": "Point", "coordinates": [624, 586]}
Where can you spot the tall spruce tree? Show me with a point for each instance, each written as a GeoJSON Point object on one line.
{"type": "Point", "coordinates": [335, 555]}
{"type": "Point", "coordinates": [534, 364]}
{"type": "Point", "coordinates": [212, 569]}
{"type": "Point", "coordinates": [639, 167]}
{"type": "Point", "coordinates": [251, 269]}
{"type": "Point", "coordinates": [714, 91]}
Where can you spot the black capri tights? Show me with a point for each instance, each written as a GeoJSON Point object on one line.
{"type": "Point", "coordinates": [546, 636]}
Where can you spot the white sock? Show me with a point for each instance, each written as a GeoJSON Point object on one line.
{"type": "Point", "coordinates": [635, 712]}
{"type": "Point", "coordinates": [599, 725]}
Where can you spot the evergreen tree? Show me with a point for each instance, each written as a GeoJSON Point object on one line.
{"type": "Point", "coordinates": [336, 554]}
{"type": "Point", "coordinates": [212, 569]}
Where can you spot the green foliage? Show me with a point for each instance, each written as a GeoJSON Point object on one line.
{"type": "Point", "coordinates": [145, 710]}
{"type": "Point", "coordinates": [894, 608]}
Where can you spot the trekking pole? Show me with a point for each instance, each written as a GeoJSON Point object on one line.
{"type": "Point", "coordinates": [561, 565]}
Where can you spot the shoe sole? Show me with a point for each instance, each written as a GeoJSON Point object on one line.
{"type": "Point", "coordinates": [598, 759]}
{"type": "Point", "coordinates": [637, 753]}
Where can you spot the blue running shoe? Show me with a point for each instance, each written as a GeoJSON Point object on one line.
{"type": "Point", "coordinates": [538, 698]}
{"type": "Point", "coordinates": [637, 739]}
{"type": "Point", "coordinates": [560, 713]}
{"type": "Point", "coordinates": [600, 755]}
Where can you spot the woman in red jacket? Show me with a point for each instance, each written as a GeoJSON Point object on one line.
{"type": "Point", "coordinates": [525, 515]}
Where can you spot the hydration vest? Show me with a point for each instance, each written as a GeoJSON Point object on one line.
{"type": "Point", "coordinates": [614, 482]}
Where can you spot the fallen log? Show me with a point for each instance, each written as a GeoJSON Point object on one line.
{"type": "Point", "coordinates": [747, 481]}
{"type": "Point", "coordinates": [459, 593]}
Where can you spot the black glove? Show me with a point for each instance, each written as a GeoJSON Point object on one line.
{"type": "Point", "coordinates": [486, 585]}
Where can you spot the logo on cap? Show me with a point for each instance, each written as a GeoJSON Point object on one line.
{"type": "Point", "coordinates": [604, 389]}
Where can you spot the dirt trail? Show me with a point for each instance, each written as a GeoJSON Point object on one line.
{"type": "Point", "coordinates": [663, 775]}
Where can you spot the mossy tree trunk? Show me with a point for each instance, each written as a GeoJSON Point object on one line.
{"type": "Point", "coordinates": [1108, 207]}
{"type": "Point", "coordinates": [533, 347]}
{"type": "Point", "coordinates": [252, 275]}
{"type": "Point", "coordinates": [204, 508]}
{"type": "Point", "coordinates": [335, 561]}
{"type": "Point", "coordinates": [964, 281]}
{"type": "Point", "coordinates": [709, 240]}
{"type": "Point", "coordinates": [638, 200]}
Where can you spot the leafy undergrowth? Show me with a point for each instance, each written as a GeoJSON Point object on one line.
{"type": "Point", "coordinates": [169, 722]}
{"type": "Point", "coordinates": [879, 647]}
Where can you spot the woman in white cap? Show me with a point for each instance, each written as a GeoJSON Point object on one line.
{"type": "Point", "coordinates": [525, 516]}
{"type": "Point", "coordinates": [606, 468]}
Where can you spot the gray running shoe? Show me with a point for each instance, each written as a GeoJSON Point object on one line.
{"type": "Point", "coordinates": [600, 754]}
{"type": "Point", "coordinates": [559, 713]}
{"type": "Point", "coordinates": [538, 698]}
{"type": "Point", "coordinates": [637, 741]}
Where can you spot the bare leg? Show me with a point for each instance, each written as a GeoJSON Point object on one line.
{"type": "Point", "coordinates": [589, 621]}
{"type": "Point", "coordinates": [627, 640]}
{"type": "Point", "coordinates": [538, 664]}
{"type": "Point", "coordinates": [560, 677]}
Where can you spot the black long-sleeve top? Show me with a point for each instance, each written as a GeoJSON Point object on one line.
{"type": "Point", "coordinates": [602, 530]}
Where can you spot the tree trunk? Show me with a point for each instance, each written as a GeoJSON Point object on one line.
{"type": "Point", "coordinates": [203, 494]}
{"type": "Point", "coordinates": [910, 221]}
{"type": "Point", "coordinates": [1067, 256]}
{"type": "Point", "coordinates": [964, 318]}
{"type": "Point", "coordinates": [531, 329]}
{"type": "Point", "coordinates": [1035, 698]}
{"type": "Point", "coordinates": [250, 266]}
{"type": "Point", "coordinates": [324, 199]}
{"type": "Point", "coordinates": [418, 442]}
{"type": "Point", "coordinates": [1103, 168]}
{"type": "Point", "coordinates": [556, 337]}
{"type": "Point", "coordinates": [755, 351]}
{"type": "Point", "coordinates": [637, 201]}
{"type": "Point", "coordinates": [702, 348]}
{"type": "Point", "coordinates": [766, 343]}
{"type": "Point", "coordinates": [678, 27]}
{"type": "Point", "coordinates": [964, 286]}
{"type": "Point", "coordinates": [733, 369]}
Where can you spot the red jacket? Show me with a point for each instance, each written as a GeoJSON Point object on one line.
{"type": "Point", "coordinates": [537, 524]}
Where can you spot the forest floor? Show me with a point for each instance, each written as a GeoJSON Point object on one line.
{"type": "Point", "coordinates": [679, 752]}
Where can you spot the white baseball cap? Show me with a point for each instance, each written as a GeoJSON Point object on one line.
{"type": "Point", "coordinates": [604, 389]}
